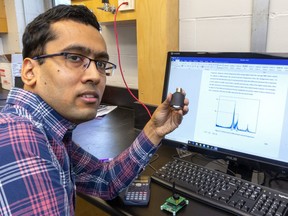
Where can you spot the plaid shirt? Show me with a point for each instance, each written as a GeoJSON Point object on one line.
{"type": "Point", "coordinates": [40, 166]}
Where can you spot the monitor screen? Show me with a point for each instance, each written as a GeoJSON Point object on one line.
{"type": "Point", "coordinates": [238, 104]}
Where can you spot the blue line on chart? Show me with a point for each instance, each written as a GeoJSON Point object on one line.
{"type": "Point", "coordinates": [234, 124]}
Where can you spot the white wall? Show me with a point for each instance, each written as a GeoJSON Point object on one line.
{"type": "Point", "coordinates": [225, 25]}
{"type": "Point", "coordinates": [278, 31]}
{"type": "Point", "coordinates": [128, 54]}
{"type": "Point", "coordinates": [208, 25]}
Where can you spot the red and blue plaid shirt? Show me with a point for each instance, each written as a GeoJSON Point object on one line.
{"type": "Point", "coordinates": [41, 168]}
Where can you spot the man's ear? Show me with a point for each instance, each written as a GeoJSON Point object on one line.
{"type": "Point", "coordinates": [28, 72]}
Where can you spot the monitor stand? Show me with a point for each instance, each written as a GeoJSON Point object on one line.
{"type": "Point", "coordinates": [218, 165]}
{"type": "Point", "coordinates": [246, 172]}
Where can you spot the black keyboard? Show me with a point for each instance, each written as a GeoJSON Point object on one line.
{"type": "Point", "coordinates": [220, 190]}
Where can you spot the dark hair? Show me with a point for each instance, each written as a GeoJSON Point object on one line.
{"type": "Point", "coordinates": [38, 33]}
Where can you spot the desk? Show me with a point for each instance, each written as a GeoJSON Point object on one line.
{"type": "Point", "coordinates": [108, 137]}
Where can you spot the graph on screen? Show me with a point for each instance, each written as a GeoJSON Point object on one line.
{"type": "Point", "coordinates": [237, 114]}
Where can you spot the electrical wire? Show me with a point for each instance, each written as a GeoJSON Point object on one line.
{"type": "Point", "coordinates": [119, 60]}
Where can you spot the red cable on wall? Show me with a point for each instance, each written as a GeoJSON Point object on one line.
{"type": "Point", "coordinates": [119, 60]}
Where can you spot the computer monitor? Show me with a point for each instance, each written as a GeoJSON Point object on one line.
{"type": "Point", "coordinates": [238, 105]}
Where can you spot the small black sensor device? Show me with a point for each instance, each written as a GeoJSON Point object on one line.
{"type": "Point", "coordinates": [177, 101]}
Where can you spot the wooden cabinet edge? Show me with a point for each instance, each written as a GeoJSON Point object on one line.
{"type": "Point", "coordinates": [3, 25]}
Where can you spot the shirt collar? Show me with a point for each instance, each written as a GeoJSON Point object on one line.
{"type": "Point", "coordinates": [40, 111]}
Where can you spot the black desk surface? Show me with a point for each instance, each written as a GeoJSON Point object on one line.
{"type": "Point", "coordinates": [110, 135]}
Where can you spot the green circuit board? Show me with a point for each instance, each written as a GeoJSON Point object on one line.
{"type": "Point", "coordinates": [174, 205]}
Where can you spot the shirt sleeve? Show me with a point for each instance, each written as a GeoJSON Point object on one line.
{"type": "Point", "coordinates": [106, 180]}
{"type": "Point", "coordinates": [30, 183]}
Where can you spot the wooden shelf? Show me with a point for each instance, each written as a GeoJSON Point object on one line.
{"type": "Point", "coordinates": [103, 16]}
{"type": "Point", "coordinates": [3, 20]}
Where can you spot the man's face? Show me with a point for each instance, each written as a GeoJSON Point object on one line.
{"type": "Point", "coordinates": [74, 93]}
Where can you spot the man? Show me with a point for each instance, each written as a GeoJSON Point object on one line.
{"type": "Point", "coordinates": [64, 73]}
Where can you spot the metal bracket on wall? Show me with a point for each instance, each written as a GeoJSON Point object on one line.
{"type": "Point", "coordinates": [260, 19]}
